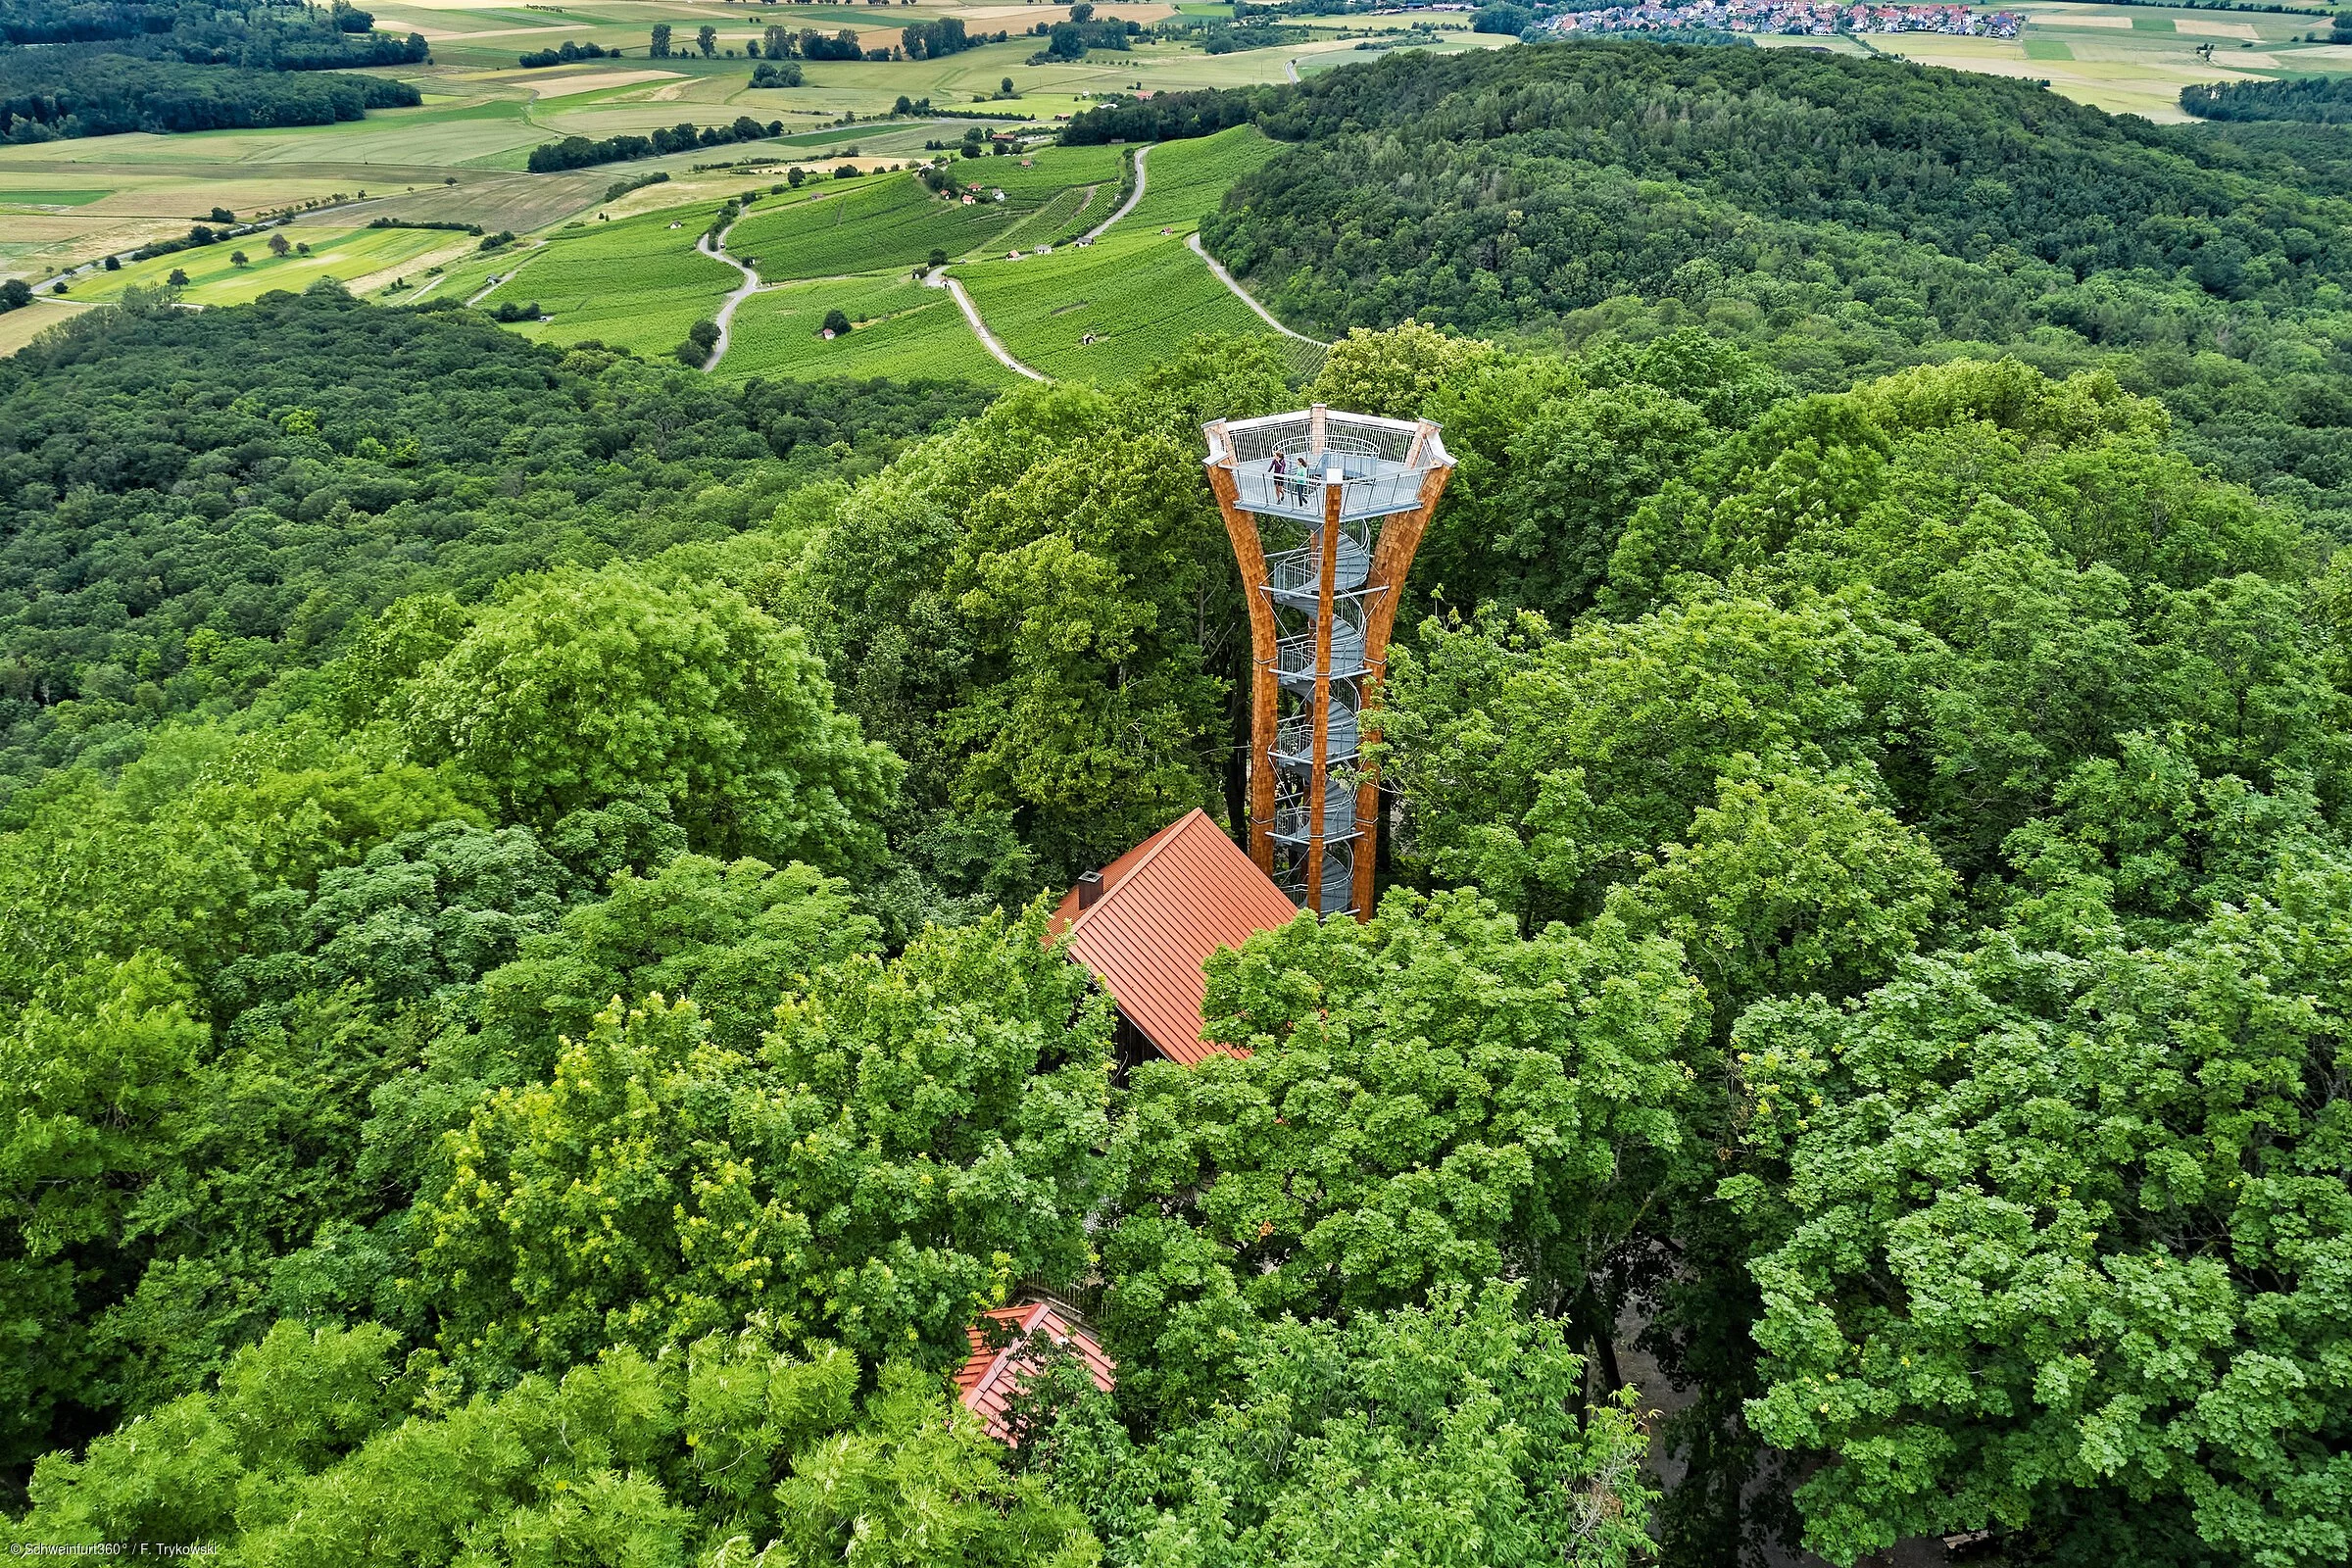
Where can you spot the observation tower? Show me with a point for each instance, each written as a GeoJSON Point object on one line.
{"type": "Point", "coordinates": [1325, 511]}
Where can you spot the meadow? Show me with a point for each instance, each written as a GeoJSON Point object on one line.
{"type": "Point", "coordinates": [359, 259]}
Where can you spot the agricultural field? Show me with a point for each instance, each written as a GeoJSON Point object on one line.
{"type": "Point", "coordinates": [460, 155]}
{"type": "Point", "coordinates": [895, 221]}
{"type": "Point", "coordinates": [1134, 292]}
{"type": "Point", "coordinates": [19, 327]}
{"type": "Point", "coordinates": [360, 259]}
{"type": "Point", "coordinates": [620, 266]}
{"type": "Point", "coordinates": [2136, 58]}
{"type": "Point", "coordinates": [637, 284]}
{"type": "Point", "coordinates": [901, 330]}
{"type": "Point", "coordinates": [1105, 310]}
{"type": "Point", "coordinates": [1185, 180]}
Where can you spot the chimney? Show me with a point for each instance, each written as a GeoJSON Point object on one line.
{"type": "Point", "coordinates": [1090, 888]}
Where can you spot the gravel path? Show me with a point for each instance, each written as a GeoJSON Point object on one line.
{"type": "Point", "coordinates": [479, 294]}
{"type": "Point", "coordinates": [726, 308]}
{"type": "Point", "coordinates": [1127, 206]}
{"type": "Point", "coordinates": [1243, 294]}
{"type": "Point", "coordinates": [935, 278]}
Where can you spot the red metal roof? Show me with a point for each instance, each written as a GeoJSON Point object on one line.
{"type": "Point", "coordinates": [1165, 906]}
{"type": "Point", "coordinates": [990, 1378]}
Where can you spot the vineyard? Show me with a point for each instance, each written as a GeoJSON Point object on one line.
{"type": "Point", "coordinates": [1135, 293]}
{"type": "Point", "coordinates": [892, 221]}
{"type": "Point", "coordinates": [1188, 178]}
{"type": "Point", "coordinates": [1107, 311]}
{"type": "Point", "coordinates": [901, 330]}
{"type": "Point", "coordinates": [638, 283]}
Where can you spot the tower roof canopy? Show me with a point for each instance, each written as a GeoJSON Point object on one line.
{"type": "Point", "coordinates": [1162, 908]}
{"type": "Point", "coordinates": [1282, 463]}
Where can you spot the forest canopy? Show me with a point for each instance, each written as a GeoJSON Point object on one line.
{"type": "Point", "coordinates": [533, 1031]}
{"type": "Point", "coordinates": [69, 91]}
{"type": "Point", "coordinates": [1842, 216]}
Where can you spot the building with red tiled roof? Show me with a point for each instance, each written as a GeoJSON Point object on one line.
{"type": "Point", "coordinates": [993, 1376]}
{"type": "Point", "coordinates": [1147, 922]}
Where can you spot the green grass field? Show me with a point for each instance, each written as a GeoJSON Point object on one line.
{"type": "Point", "coordinates": [52, 198]}
{"type": "Point", "coordinates": [638, 283]}
{"type": "Point", "coordinates": [347, 256]}
{"type": "Point", "coordinates": [462, 279]}
{"type": "Point", "coordinates": [903, 331]}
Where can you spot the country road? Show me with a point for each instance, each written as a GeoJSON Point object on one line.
{"type": "Point", "coordinates": [726, 307]}
{"type": "Point", "coordinates": [1127, 206]}
{"type": "Point", "coordinates": [1243, 294]}
{"type": "Point", "coordinates": [938, 278]}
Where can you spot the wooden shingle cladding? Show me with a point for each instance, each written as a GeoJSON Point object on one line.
{"type": "Point", "coordinates": [1162, 908]}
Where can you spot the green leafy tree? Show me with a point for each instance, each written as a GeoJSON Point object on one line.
{"type": "Point", "coordinates": [424, 913]}
{"type": "Point", "coordinates": [585, 687]}
{"type": "Point", "coordinates": [706, 40]}
{"type": "Point", "coordinates": [292, 1403]}
{"type": "Point", "coordinates": [1426, 1099]}
{"type": "Point", "coordinates": [268, 1159]}
{"type": "Point", "coordinates": [731, 937]}
{"type": "Point", "coordinates": [1400, 371]}
{"type": "Point", "coordinates": [1541, 767]}
{"type": "Point", "coordinates": [196, 842]}
{"type": "Point", "coordinates": [909, 1489]}
{"type": "Point", "coordinates": [1790, 883]}
{"type": "Point", "coordinates": [1037, 611]}
{"type": "Point", "coordinates": [92, 1070]}
{"type": "Point", "coordinates": [726, 1450]}
{"type": "Point", "coordinates": [1458, 1432]}
{"type": "Point", "coordinates": [914, 1138]}
{"type": "Point", "coordinates": [2061, 1242]}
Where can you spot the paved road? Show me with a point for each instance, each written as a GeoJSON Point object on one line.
{"type": "Point", "coordinates": [1228, 279]}
{"type": "Point", "coordinates": [726, 307]}
{"type": "Point", "coordinates": [936, 279]}
{"type": "Point", "coordinates": [1292, 66]}
{"type": "Point", "coordinates": [1127, 206]}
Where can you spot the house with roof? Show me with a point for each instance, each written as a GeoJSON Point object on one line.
{"type": "Point", "coordinates": [1146, 923]}
{"type": "Point", "coordinates": [1143, 926]}
{"type": "Point", "coordinates": [1011, 1345]}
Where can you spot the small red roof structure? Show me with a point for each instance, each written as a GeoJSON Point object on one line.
{"type": "Point", "coordinates": [1155, 915]}
{"type": "Point", "coordinates": [990, 1378]}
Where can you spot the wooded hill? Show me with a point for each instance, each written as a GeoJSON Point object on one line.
{"type": "Point", "coordinates": [527, 1033]}
{"type": "Point", "coordinates": [1847, 217]}
{"type": "Point", "coordinates": [101, 69]}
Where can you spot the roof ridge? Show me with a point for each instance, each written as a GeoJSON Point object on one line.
{"type": "Point", "coordinates": [1166, 836]}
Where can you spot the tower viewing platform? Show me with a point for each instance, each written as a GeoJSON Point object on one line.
{"type": "Point", "coordinates": [1325, 510]}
